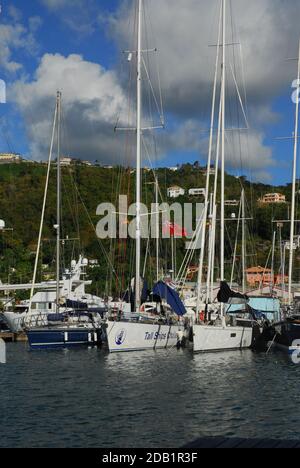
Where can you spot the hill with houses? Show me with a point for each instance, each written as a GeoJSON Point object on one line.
{"type": "Point", "coordinates": [86, 186]}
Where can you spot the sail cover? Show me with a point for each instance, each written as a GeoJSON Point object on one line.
{"type": "Point", "coordinates": [225, 294]}
{"type": "Point", "coordinates": [164, 291]}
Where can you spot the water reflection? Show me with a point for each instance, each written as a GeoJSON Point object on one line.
{"type": "Point", "coordinates": [88, 398]}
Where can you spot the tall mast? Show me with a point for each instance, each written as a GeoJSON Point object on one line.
{"type": "Point", "coordinates": [58, 224]}
{"type": "Point", "coordinates": [138, 160]}
{"type": "Point", "coordinates": [244, 241]}
{"type": "Point", "coordinates": [43, 210]}
{"type": "Point", "coordinates": [212, 121]}
{"type": "Point", "coordinates": [273, 263]}
{"type": "Point", "coordinates": [157, 227]}
{"type": "Point", "coordinates": [281, 258]}
{"type": "Point", "coordinates": [294, 189]}
{"type": "Point", "coordinates": [223, 147]}
{"type": "Point", "coordinates": [213, 252]}
{"type": "Point", "coordinates": [210, 246]}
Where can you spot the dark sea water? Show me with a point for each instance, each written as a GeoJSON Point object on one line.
{"type": "Point", "coordinates": [165, 399]}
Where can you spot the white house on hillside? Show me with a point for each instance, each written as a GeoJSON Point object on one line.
{"type": "Point", "coordinates": [66, 161]}
{"type": "Point", "coordinates": [272, 198]}
{"type": "Point", "coordinates": [232, 203]}
{"type": "Point", "coordinates": [175, 192]}
{"type": "Point", "coordinates": [197, 192]}
{"type": "Point", "coordinates": [7, 158]}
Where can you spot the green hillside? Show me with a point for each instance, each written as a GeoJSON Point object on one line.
{"type": "Point", "coordinates": [84, 188]}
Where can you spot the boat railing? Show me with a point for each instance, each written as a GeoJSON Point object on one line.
{"type": "Point", "coordinates": [36, 320]}
{"type": "Point", "coordinates": [45, 320]}
{"type": "Point", "coordinates": [18, 322]}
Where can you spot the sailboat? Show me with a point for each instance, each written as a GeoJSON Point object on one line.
{"type": "Point", "coordinates": [71, 323]}
{"type": "Point", "coordinates": [43, 303]}
{"type": "Point", "coordinates": [131, 332]}
{"type": "Point", "coordinates": [285, 334]}
{"type": "Point", "coordinates": [218, 331]}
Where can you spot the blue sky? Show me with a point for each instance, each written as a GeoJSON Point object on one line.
{"type": "Point", "coordinates": [87, 37]}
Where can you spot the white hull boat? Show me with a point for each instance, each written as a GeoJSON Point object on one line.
{"type": "Point", "coordinates": [43, 303]}
{"type": "Point", "coordinates": [129, 336]}
{"type": "Point", "coordinates": [15, 321]}
{"type": "Point", "coordinates": [217, 338]}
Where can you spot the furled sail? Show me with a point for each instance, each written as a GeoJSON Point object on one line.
{"type": "Point", "coordinates": [164, 291]}
{"type": "Point", "coordinates": [225, 294]}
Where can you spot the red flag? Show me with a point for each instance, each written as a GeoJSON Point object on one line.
{"type": "Point", "coordinates": [174, 230]}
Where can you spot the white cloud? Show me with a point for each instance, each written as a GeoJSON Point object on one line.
{"type": "Point", "coordinates": [15, 36]}
{"type": "Point", "coordinates": [10, 38]}
{"type": "Point", "coordinates": [92, 99]}
{"type": "Point", "coordinates": [267, 30]}
{"type": "Point", "coordinates": [244, 150]}
{"type": "Point", "coordinates": [249, 151]}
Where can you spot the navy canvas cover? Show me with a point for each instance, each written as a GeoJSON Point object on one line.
{"type": "Point", "coordinates": [164, 291]}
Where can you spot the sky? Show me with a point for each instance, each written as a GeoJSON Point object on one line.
{"type": "Point", "coordinates": [77, 46]}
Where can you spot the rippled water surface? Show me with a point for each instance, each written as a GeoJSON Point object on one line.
{"type": "Point", "coordinates": [87, 398]}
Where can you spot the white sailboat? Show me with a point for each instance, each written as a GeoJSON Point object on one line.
{"type": "Point", "coordinates": [58, 313]}
{"type": "Point", "coordinates": [67, 293]}
{"type": "Point", "coordinates": [73, 324]}
{"type": "Point", "coordinates": [220, 334]}
{"type": "Point", "coordinates": [134, 334]}
{"type": "Point", "coordinates": [285, 335]}
{"type": "Point", "coordinates": [43, 302]}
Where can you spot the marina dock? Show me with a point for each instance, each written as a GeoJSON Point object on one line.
{"type": "Point", "coordinates": [10, 337]}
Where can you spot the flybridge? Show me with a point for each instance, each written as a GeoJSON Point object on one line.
{"type": "Point", "coordinates": [27, 286]}
{"type": "Point", "coordinates": [49, 285]}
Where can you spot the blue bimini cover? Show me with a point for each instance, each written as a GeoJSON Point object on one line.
{"type": "Point", "coordinates": [269, 307]}
{"type": "Point", "coordinates": [164, 291]}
